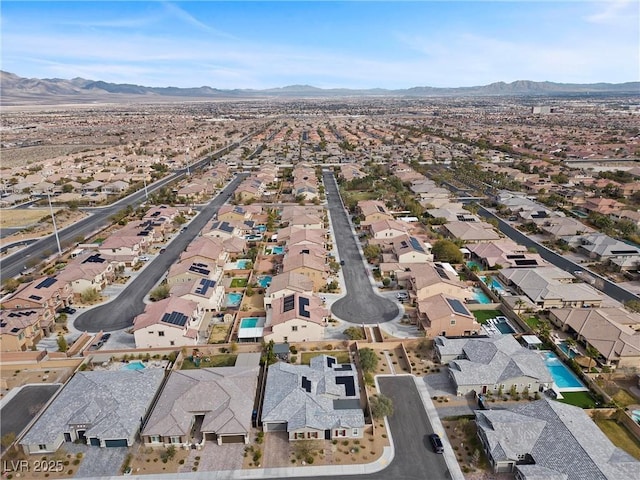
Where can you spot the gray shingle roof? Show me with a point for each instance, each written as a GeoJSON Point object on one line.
{"type": "Point", "coordinates": [562, 440]}
{"type": "Point", "coordinates": [286, 400]}
{"type": "Point", "coordinates": [111, 402]}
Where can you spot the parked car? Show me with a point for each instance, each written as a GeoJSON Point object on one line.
{"type": "Point", "coordinates": [162, 250]}
{"type": "Point", "coordinates": [436, 443]}
{"type": "Point", "coordinates": [402, 295]}
{"type": "Point", "coordinates": [143, 258]}
{"type": "Point", "coordinates": [69, 310]}
{"type": "Point", "coordinates": [341, 262]}
{"type": "Point", "coordinates": [105, 337]}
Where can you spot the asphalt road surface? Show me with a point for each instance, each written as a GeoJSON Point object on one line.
{"type": "Point", "coordinates": [120, 312]}
{"type": "Point", "coordinates": [606, 286]}
{"type": "Point", "coordinates": [361, 304]}
{"type": "Point", "coordinates": [414, 459]}
{"type": "Point", "coordinates": [21, 409]}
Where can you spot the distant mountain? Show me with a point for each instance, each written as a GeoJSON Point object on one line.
{"type": "Point", "coordinates": [16, 90]}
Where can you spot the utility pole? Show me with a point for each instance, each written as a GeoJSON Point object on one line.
{"type": "Point", "coordinates": [146, 193]}
{"type": "Point", "coordinates": [55, 228]}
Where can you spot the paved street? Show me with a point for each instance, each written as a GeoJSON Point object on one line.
{"type": "Point", "coordinates": [361, 304]}
{"type": "Point", "coordinates": [120, 312]}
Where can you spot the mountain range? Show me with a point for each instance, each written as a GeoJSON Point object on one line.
{"type": "Point", "coordinates": [16, 90]}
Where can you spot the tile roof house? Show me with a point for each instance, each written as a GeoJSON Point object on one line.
{"type": "Point", "coordinates": [22, 328]}
{"type": "Point", "coordinates": [425, 280]}
{"type": "Point", "coordinates": [204, 250]}
{"type": "Point", "coordinates": [613, 332]}
{"type": "Point", "coordinates": [194, 406]}
{"type": "Point", "coordinates": [492, 364]}
{"type": "Point", "coordinates": [170, 322]}
{"type": "Point", "coordinates": [318, 401]}
{"type": "Point", "coordinates": [505, 253]}
{"type": "Point", "coordinates": [309, 265]}
{"type": "Point", "coordinates": [286, 284]}
{"type": "Point", "coordinates": [222, 229]}
{"type": "Point", "coordinates": [387, 229]}
{"type": "Point", "coordinates": [409, 249]}
{"type": "Point", "coordinates": [298, 317]}
{"type": "Point", "coordinates": [551, 440]}
{"type": "Point", "coordinates": [101, 408]}
{"type": "Point", "coordinates": [87, 271]}
{"type": "Point", "coordinates": [603, 247]}
{"type": "Point", "coordinates": [550, 287]}
{"type": "Point", "coordinates": [373, 211]}
{"type": "Point", "coordinates": [446, 316]}
{"type": "Point", "coordinates": [470, 232]}
{"type": "Point", "coordinates": [44, 292]}
{"type": "Point", "coordinates": [207, 293]}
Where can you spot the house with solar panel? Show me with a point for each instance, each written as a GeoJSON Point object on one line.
{"type": "Point", "coordinates": [87, 271]}
{"type": "Point", "coordinates": [424, 280]}
{"type": "Point", "coordinates": [173, 321]}
{"type": "Point", "coordinates": [409, 249]}
{"type": "Point", "coordinates": [22, 328]}
{"type": "Point", "coordinates": [207, 293]}
{"type": "Point", "coordinates": [492, 364]}
{"type": "Point", "coordinates": [316, 401]}
{"type": "Point", "coordinates": [446, 316]}
{"type": "Point", "coordinates": [297, 317]}
{"type": "Point", "coordinates": [45, 292]}
{"type": "Point", "coordinates": [372, 211]}
{"type": "Point", "coordinates": [222, 229]}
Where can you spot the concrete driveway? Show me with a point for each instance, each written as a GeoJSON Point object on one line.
{"type": "Point", "coordinates": [361, 304]}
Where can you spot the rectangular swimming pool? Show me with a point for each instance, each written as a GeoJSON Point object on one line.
{"type": "Point", "coordinates": [564, 378]}
{"type": "Point", "coordinates": [494, 283]}
{"type": "Point", "coordinates": [480, 297]}
{"type": "Point", "coordinates": [569, 352]}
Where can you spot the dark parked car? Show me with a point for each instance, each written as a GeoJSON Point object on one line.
{"type": "Point", "coordinates": [436, 443]}
{"type": "Point", "coordinates": [341, 262]}
{"type": "Point", "coordinates": [105, 337]}
{"type": "Point", "coordinates": [162, 250]}
{"type": "Point", "coordinates": [69, 310]}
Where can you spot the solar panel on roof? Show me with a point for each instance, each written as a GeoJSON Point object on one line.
{"type": "Point", "coordinates": [457, 306]}
{"type": "Point", "coordinates": [306, 384]}
{"type": "Point", "coordinates": [330, 361]}
{"type": "Point", "coordinates": [441, 272]}
{"type": "Point", "coordinates": [96, 258]}
{"type": "Point", "coordinates": [515, 256]}
{"type": "Point", "coordinates": [349, 385]}
{"type": "Point", "coordinates": [15, 330]}
{"type": "Point", "coordinates": [415, 243]}
{"type": "Point", "coordinates": [12, 314]}
{"type": "Point", "coordinates": [3, 324]}
{"type": "Point", "coordinates": [343, 368]}
{"type": "Point", "coordinates": [624, 252]}
{"type": "Point", "coordinates": [288, 303]}
{"type": "Point", "coordinates": [205, 284]}
{"type": "Point", "coordinates": [303, 303]}
{"type": "Point", "coordinates": [35, 297]}
{"type": "Point", "coordinates": [175, 318]}
{"type": "Point", "coordinates": [530, 262]}
{"type": "Point", "coordinates": [46, 283]}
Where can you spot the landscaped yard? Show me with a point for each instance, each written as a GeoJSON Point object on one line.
{"type": "Point", "coordinates": [620, 436]}
{"type": "Point", "coordinates": [342, 356]}
{"type": "Point", "coordinates": [624, 398]}
{"type": "Point", "coordinates": [579, 399]}
{"type": "Point", "coordinates": [483, 315]}
{"type": "Point", "coordinates": [219, 333]}
{"type": "Point", "coordinates": [533, 322]}
{"type": "Point", "coordinates": [223, 360]}
{"type": "Point", "coordinates": [238, 283]}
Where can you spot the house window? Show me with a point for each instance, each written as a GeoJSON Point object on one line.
{"type": "Point", "coordinates": [160, 333]}
{"type": "Point", "coordinates": [294, 328]}
{"type": "Point", "coordinates": [154, 439]}
{"type": "Point", "coordinates": [285, 339]}
{"type": "Point", "coordinates": [312, 434]}
{"type": "Point", "coordinates": [355, 432]}
{"type": "Point", "coordinates": [341, 433]}
{"type": "Point", "coordinates": [453, 321]}
{"type": "Point", "coordinates": [299, 435]}
{"type": "Point", "coordinates": [172, 343]}
{"type": "Point", "coordinates": [175, 440]}
{"type": "Point", "coordinates": [42, 446]}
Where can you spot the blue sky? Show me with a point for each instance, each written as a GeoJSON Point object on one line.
{"type": "Point", "coordinates": [357, 44]}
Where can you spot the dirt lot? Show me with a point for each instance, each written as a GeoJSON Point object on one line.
{"type": "Point", "coordinates": [36, 230]}
{"type": "Point", "coordinates": [15, 157]}
{"type": "Point", "coordinates": [14, 377]}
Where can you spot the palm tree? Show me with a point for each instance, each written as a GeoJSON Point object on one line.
{"type": "Point", "coordinates": [544, 329]}
{"type": "Point", "coordinates": [592, 353]}
{"type": "Point", "coordinates": [519, 304]}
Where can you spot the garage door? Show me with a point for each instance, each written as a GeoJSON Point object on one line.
{"type": "Point", "coordinates": [233, 439]}
{"type": "Point", "coordinates": [95, 442]}
{"type": "Point", "coordinates": [275, 427]}
{"type": "Point", "coordinates": [116, 443]}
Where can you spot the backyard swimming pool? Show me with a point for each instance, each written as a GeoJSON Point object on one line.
{"type": "Point", "coordinates": [233, 299]}
{"type": "Point", "coordinates": [264, 281]}
{"type": "Point", "coordinates": [473, 263]}
{"type": "Point", "coordinates": [568, 351]}
{"type": "Point", "coordinates": [503, 326]}
{"type": "Point", "coordinates": [133, 366]}
{"type": "Point", "coordinates": [242, 263]}
{"type": "Point", "coordinates": [277, 250]}
{"type": "Point", "coordinates": [493, 282]}
{"type": "Point", "coordinates": [565, 379]}
{"type": "Point", "coordinates": [251, 329]}
{"type": "Point", "coordinates": [479, 296]}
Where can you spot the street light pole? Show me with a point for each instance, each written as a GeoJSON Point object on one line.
{"type": "Point", "coordinates": [55, 228]}
{"type": "Point", "coordinates": [146, 193]}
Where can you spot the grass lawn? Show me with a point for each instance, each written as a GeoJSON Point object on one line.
{"type": "Point", "coordinates": [341, 355]}
{"type": "Point", "coordinates": [533, 322]}
{"type": "Point", "coordinates": [238, 282]}
{"type": "Point", "coordinates": [224, 360]}
{"type": "Point", "coordinates": [624, 398]}
{"type": "Point", "coordinates": [620, 436]}
{"type": "Point", "coordinates": [483, 315]}
{"type": "Point", "coordinates": [579, 399]}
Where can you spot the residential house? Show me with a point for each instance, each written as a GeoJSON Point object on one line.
{"type": "Point", "coordinates": [88, 271]}
{"type": "Point", "coordinates": [387, 229]}
{"type": "Point", "coordinates": [316, 401]}
{"type": "Point", "coordinates": [603, 206]}
{"type": "Point", "coordinates": [408, 249]}
{"type": "Point", "coordinates": [494, 364]}
{"type": "Point", "coordinates": [44, 292]}
{"type": "Point", "coordinates": [206, 250]}
{"type": "Point", "coordinates": [186, 271]}
{"type": "Point", "coordinates": [307, 222]}
{"type": "Point", "coordinates": [602, 247]}
{"type": "Point", "coordinates": [170, 322]}
{"type": "Point", "coordinates": [308, 265]}
{"type": "Point", "coordinates": [194, 406]}
{"type": "Point", "coordinates": [446, 316]}
{"type": "Point", "coordinates": [373, 211]}
{"type": "Point", "coordinates": [123, 248]}
{"type": "Point", "coordinates": [99, 408]}
{"type": "Point", "coordinates": [287, 284]}
{"type": "Point", "coordinates": [424, 280]}
{"type": "Point", "coordinates": [524, 439]}
{"type": "Point", "coordinates": [223, 230]}
{"type": "Point", "coordinates": [613, 332]}
{"type": "Point", "coordinates": [470, 232]}
{"type": "Point", "coordinates": [298, 317]}
{"type": "Point", "coordinates": [22, 328]}
{"type": "Point", "coordinates": [504, 254]}
{"type": "Point", "coordinates": [207, 293]}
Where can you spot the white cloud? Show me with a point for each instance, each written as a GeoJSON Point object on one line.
{"type": "Point", "coordinates": [615, 12]}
